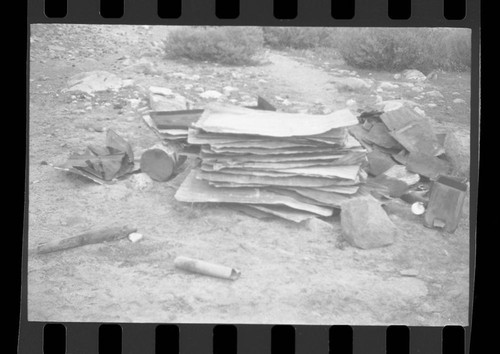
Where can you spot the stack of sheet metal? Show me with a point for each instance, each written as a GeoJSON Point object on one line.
{"type": "Point", "coordinates": [295, 166]}
{"type": "Point", "coordinates": [172, 125]}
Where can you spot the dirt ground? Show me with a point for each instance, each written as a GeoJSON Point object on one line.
{"type": "Point", "coordinates": [289, 273]}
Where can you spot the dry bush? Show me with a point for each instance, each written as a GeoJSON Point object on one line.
{"type": "Point", "coordinates": [225, 45]}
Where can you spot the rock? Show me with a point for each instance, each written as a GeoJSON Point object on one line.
{"type": "Point", "coordinates": [94, 81]}
{"type": "Point", "coordinates": [397, 76]}
{"type": "Point", "coordinates": [457, 149]}
{"type": "Point", "coordinates": [350, 102]}
{"type": "Point", "coordinates": [164, 99]}
{"type": "Point", "coordinates": [236, 75]}
{"type": "Point", "coordinates": [432, 105]}
{"type": "Point", "coordinates": [413, 75]}
{"type": "Point", "coordinates": [386, 85]}
{"type": "Point", "coordinates": [135, 237]}
{"type": "Point", "coordinates": [211, 94]}
{"type": "Point", "coordinates": [164, 91]}
{"type": "Point", "coordinates": [56, 48]}
{"type": "Point", "coordinates": [178, 75]}
{"type": "Point", "coordinates": [391, 105]}
{"type": "Point", "coordinates": [318, 226]}
{"type": "Point", "coordinates": [458, 101]}
{"type": "Point", "coordinates": [434, 93]}
{"type": "Point", "coordinates": [140, 182]}
{"type": "Point", "coordinates": [409, 272]}
{"type": "Point", "coordinates": [419, 111]}
{"type": "Point", "coordinates": [365, 224]}
{"type": "Point", "coordinates": [228, 89]}
{"type": "Point", "coordinates": [352, 83]}
{"type": "Point", "coordinates": [456, 93]}
{"type": "Point", "coordinates": [134, 102]}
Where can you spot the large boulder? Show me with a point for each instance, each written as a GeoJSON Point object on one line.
{"type": "Point", "coordinates": [457, 150]}
{"type": "Point", "coordinates": [365, 224]}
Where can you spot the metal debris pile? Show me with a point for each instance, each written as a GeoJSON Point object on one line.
{"type": "Point", "coordinates": [295, 166]}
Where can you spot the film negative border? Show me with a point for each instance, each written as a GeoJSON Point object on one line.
{"type": "Point", "coordinates": [200, 338]}
{"type": "Point", "coordinates": [461, 13]}
{"type": "Point", "coordinates": [302, 339]}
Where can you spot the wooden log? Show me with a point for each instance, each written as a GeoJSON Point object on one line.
{"type": "Point", "coordinates": [160, 162]}
{"type": "Point", "coordinates": [91, 237]}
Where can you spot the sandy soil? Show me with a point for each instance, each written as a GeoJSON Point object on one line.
{"type": "Point", "coordinates": [289, 273]}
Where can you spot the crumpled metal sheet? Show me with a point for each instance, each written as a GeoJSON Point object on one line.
{"type": "Point", "coordinates": [102, 164]}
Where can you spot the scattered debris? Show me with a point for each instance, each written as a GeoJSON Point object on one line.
{"type": "Point", "coordinates": [426, 165]}
{"type": "Point", "coordinates": [365, 224]}
{"type": "Point", "coordinates": [379, 162]}
{"type": "Point", "coordinates": [402, 174]}
{"type": "Point", "coordinates": [161, 162]}
{"type": "Point", "coordinates": [98, 236]}
{"type": "Point", "coordinates": [445, 203]}
{"type": "Point", "coordinates": [172, 126]}
{"type": "Point", "coordinates": [102, 164]}
{"type": "Point", "coordinates": [206, 268]}
{"type": "Point", "coordinates": [412, 131]}
{"type": "Point", "coordinates": [135, 237]}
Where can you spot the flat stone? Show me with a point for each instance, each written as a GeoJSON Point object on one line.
{"type": "Point", "coordinates": [409, 272]}
{"type": "Point", "coordinates": [94, 81]}
{"type": "Point", "coordinates": [420, 111]}
{"type": "Point", "coordinates": [385, 85]}
{"type": "Point", "coordinates": [211, 94]}
{"type": "Point", "coordinates": [365, 224]}
{"type": "Point", "coordinates": [164, 91]}
{"type": "Point", "coordinates": [434, 93]}
{"type": "Point", "coordinates": [352, 83]}
{"type": "Point", "coordinates": [163, 103]}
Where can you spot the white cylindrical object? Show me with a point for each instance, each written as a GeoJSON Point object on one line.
{"type": "Point", "coordinates": [206, 268]}
{"type": "Point", "coordinates": [418, 208]}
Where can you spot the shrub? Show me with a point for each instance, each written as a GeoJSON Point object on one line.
{"type": "Point", "coordinates": [299, 37]}
{"type": "Point", "coordinates": [226, 45]}
{"type": "Point", "coordinates": [389, 49]}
